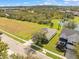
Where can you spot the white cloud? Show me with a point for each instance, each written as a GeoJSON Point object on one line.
{"type": "Point", "coordinates": [71, 2]}
{"type": "Point", "coordinates": [25, 2]}
{"type": "Point", "coordinates": [48, 2]}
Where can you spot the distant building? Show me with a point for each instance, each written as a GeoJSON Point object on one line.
{"type": "Point", "coordinates": [75, 13]}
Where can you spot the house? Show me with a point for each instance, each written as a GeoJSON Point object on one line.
{"type": "Point", "coordinates": [49, 32]}
{"type": "Point", "coordinates": [75, 13]}
{"type": "Point", "coordinates": [72, 36]}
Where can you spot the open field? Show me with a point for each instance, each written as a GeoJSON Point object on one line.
{"type": "Point", "coordinates": [21, 29]}
{"type": "Point", "coordinates": [55, 22]}
{"type": "Point", "coordinates": [25, 30]}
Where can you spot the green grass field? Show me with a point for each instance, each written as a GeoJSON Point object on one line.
{"type": "Point", "coordinates": [21, 29]}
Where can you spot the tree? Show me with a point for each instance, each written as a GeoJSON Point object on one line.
{"type": "Point", "coordinates": [40, 38]}
{"type": "Point", "coordinates": [68, 15]}
{"type": "Point", "coordinates": [0, 35]}
{"type": "Point", "coordinates": [70, 25]}
{"type": "Point", "coordinates": [14, 56]}
{"type": "Point", "coordinates": [30, 55]}
{"type": "Point", "coordinates": [3, 50]}
{"type": "Point", "coordinates": [51, 24]}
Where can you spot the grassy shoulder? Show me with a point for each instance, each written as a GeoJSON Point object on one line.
{"type": "Point", "coordinates": [21, 41]}
{"type": "Point", "coordinates": [48, 54]}
{"type": "Point", "coordinates": [12, 36]}
{"type": "Point", "coordinates": [52, 56]}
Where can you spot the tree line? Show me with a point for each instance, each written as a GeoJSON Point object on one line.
{"type": "Point", "coordinates": [40, 15]}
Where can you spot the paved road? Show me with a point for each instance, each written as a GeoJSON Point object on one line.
{"type": "Point", "coordinates": [19, 48]}
{"type": "Point", "coordinates": [13, 45]}
{"type": "Point", "coordinates": [70, 54]}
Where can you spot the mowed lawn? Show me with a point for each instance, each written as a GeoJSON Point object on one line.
{"type": "Point", "coordinates": [21, 29]}
{"type": "Point", "coordinates": [52, 43]}
{"type": "Point", "coordinates": [76, 20]}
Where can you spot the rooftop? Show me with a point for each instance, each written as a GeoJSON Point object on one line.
{"type": "Point", "coordinates": [50, 32]}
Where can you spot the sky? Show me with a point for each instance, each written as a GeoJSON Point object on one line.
{"type": "Point", "coordinates": [39, 2]}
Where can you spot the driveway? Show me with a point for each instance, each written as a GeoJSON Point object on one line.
{"type": "Point", "coordinates": [70, 54]}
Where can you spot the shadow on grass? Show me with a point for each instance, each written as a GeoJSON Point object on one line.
{"type": "Point", "coordinates": [52, 56]}
{"type": "Point", "coordinates": [60, 50]}
{"type": "Point", "coordinates": [36, 48]}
